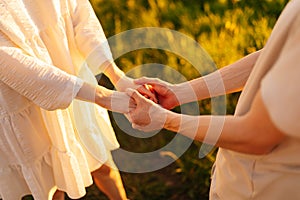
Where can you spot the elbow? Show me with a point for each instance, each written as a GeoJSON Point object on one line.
{"type": "Point", "coordinates": [261, 150]}
{"type": "Point", "coordinates": [263, 147]}
{"type": "Point", "coordinates": [254, 149]}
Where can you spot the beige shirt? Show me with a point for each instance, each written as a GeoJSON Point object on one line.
{"type": "Point", "coordinates": [277, 72]}
{"type": "Point", "coordinates": [44, 46]}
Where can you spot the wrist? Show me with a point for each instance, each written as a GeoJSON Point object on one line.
{"type": "Point", "coordinates": [184, 93]}
{"type": "Point", "coordinates": [123, 83]}
{"type": "Point", "coordinates": [172, 121]}
{"type": "Point", "coordinates": [184, 124]}
{"type": "Point", "coordinates": [103, 97]}
{"type": "Point", "coordinates": [114, 73]}
{"type": "Point", "coordinates": [113, 100]}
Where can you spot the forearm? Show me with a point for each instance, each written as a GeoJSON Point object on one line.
{"type": "Point", "coordinates": [226, 80]}
{"type": "Point", "coordinates": [220, 131]}
{"type": "Point", "coordinates": [95, 94]}
{"type": "Point", "coordinates": [114, 73]}
{"type": "Point", "coordinates": [109, 99]}
{"type": "Point", "coordinates": [252, 133]}
{"type": "Point", "coordinates": [209, 129]}
{"type": "Point", "coordinates": [233, 77]}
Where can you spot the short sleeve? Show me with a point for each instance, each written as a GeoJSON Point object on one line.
{"type": "Point", "coordinates": [45, 85]}
{"type": "Point", "coordinates": [89, 36]}
{"type": "Point", "coordinates": [281, 86]}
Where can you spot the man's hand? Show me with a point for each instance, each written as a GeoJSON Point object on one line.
{"type": "Point", "coordinates": [163, 91]}
{"type": "Point", "coordinates": [144, 114]}
{"type": "Point", "coordinates": [122, 82]}
{"type": "Point", "coordinates": [127, 82]}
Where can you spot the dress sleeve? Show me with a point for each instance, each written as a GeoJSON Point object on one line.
{"type": "Point", "coordinates": [281, 86]}
{"type": "Point", "coordinates": [44, 84]}
{"type": "Point", "coordinates": [89, 36]}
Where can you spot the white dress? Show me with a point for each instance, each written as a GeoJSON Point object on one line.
{"type": "Point", "coordinates": [43, 49]}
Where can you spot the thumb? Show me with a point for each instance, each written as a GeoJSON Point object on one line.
{"type": "Point", "coordinates": [128, 116]}
{"type": "Point", "coordinates": [135, 126]}
{"type": "Point", "coordinates": [145, 80]}
{"type": "Point", "coordinates": [134, 94]}
{"type": "Point", "coordinates": [141, 128]}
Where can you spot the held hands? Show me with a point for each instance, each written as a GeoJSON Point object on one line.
{"type": "Point", "coordinates": [144, 114]}
{"type": "Point", "coordinates": [127, 82]}
{"type": "Point", "coordinates": [163, 91]}
{"type": "Point", "coordinates": [122, 82]}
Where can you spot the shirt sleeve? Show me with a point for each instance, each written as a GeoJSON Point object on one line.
{"type": "Point", "coordinates": [44, 84]}
{"type": "Point", "coordinates": [281, 86]}
{"type": "Point", "coordinates": [89, 36]}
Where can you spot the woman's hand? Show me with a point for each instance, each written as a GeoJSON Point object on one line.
{"type": "Point", "coordinates": [109, 99]}
{"type": "Point", "coordinates": [112, 100]}
{"type": "Point", "coordinates": [164, 91]}
{"type": "Point", "coordinates": [127, 82]}
{"type": "Point", "coordinates": [122, 82]}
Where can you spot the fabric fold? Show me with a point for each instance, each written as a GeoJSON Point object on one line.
{"type": "Point", "coordinates": [42, 66]}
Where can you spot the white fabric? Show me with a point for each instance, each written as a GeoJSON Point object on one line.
{"type": "Point", "coordinates": [280, 87]}
{"type": "Point", "coordinates": [277, 174]}
{"type": "Point", "coordinates": [42, 45]}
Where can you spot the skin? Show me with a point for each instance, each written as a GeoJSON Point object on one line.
{"type": "Point", "coordinates": [251, 133]}
{"type": "Point", "coordinates": [106, 178]}
{"type": "Point", "coordinates": [228, 79]}
{"type": "Point", "coordinates": [110, 182]}
{"type": "Point", "coordinates": [122, 82]}
{"type": "Point", "coordinates": [116, 101]}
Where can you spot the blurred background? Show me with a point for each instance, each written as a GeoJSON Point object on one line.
{"type": "Point", "coordinates": [227, 30]}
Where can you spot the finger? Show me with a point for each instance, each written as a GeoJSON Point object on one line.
{"type": "Point", "coordinates": [135, 126]}
{"type": "Point", "coordinates": [128, 116]}
{"type": "Point", "coordinates": [160, 89]}
{"type": "Point", "coordinates": [149, 87]}
{"type": "Point", "coordinates": [152, 90]}
{"type": "Point", "coordinates": [154, 100]}
{"type": "Point", "coordinates": [132, 104]}
{"type": "Point", "coordinates": [136, 96]}
{"type": "Point", "coordinates": [138, 127]}
{"type": "Point", "coordinates": [145, 80]}
{"type": "Point", "coordinates": [145, 128]}
{"type": "Point", "coordinates": [129, 91]}
{"type": "Point", "coordinates": [150, 95]}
